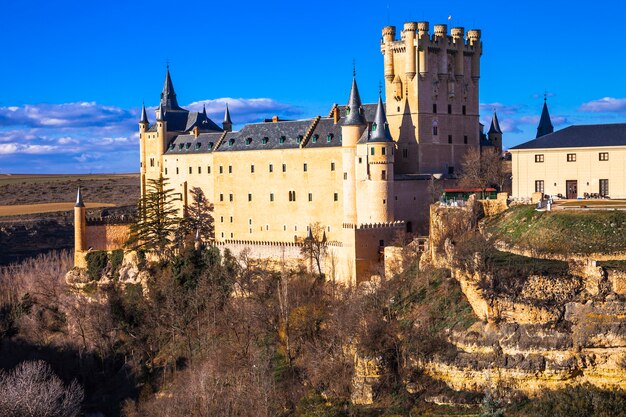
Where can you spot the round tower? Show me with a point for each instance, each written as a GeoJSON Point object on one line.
{"type": "Point", "coordinates": [473, 37]}
{"type": "Point", "coordinates": [389, 35]}
{"type": "Point", "coordinates": [80, 230]}
{"type": "Point", "coordinates": [457, 37]}
{"type": "Point", "coordinates": [409, 42]}
{"type": "Point", "coordinates": [424, 40]}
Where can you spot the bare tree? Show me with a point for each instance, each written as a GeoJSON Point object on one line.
{"type": "Point", "coordinates": [482, 169]}
{"type": "Point", "coordinates": [33, 390]}
{"type": "Point", "coordinates": [197, 222]}
{"type": "Point", "coordinates": [313, 247]}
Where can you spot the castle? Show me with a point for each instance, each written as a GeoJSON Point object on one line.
{"type": "Point", "coordinates": [362, 172]}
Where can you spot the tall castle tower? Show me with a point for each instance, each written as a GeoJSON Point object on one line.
{"type": "Point", "coordinates": [431, 84]}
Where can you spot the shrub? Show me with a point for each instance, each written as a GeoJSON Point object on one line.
{"type": "Point", "coordinates": [117, 256]}
{"type": "Point", "coordinates": [96, 262]}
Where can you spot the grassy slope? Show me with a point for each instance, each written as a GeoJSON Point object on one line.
{"type": "Point", "coordinates": [561, 232]}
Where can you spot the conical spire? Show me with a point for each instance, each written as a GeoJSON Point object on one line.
{"type": "Point", "coordinates": [79, 199]}
{"type": "Point", "coordinates": [380, 127]}
{"type": "Point", "coordinates": [168, 95]}
{"type": "Point", "coordinates": [204, 110]}
{"type": "Point", "coordinates": [161, 112]}
{"type": "Point", "coordinates": [227, 115]}
{"type": "Point", "coordinates": [144, 116]}
{"type": "Point", "coordinates": [495, 124]}
{"type": "Point", "coordinates": [354, 109]}
{"type": "Point", "coordinates": [545, 124]}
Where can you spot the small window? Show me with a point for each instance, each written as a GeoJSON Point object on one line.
{"type": "Point", "coordinates": [231, 219]}
{"type": "Point", "coordinates": [299, 138]}
{"type": "Point", "coordinates": [435, 131]}
{"type": "Point", "coordinates": [465, 139]}
{"type": "Point", "coordinates": [282, 139]}
{"type": "Point", "coordinates": [187, 145]}
{"type": "Point", "coordinates": [360, 160]}
{"type": "Point", "coordinates": [181, 146]}
{"type": "Point", "coordinates": [345, 175]}
{"type": "Point", "coordinates": [248, 141]}
{"type": "Point", "coordinates": [405, 153]}
{"type": "Point", "coordinates": [221, 197]}
{"type": "Point", "coordinates": [199, 170]}
{"type": "Point", "coordinates": [449, 108]}
{"type": "Point", "coordinates": [603, 156]}
{"type": "Point", "coordinates": [231, 142]}
{"type": "Point", "coordinates": [305, 167]}
{"type": "Point", "coordinates": [604, 188]}
{"type": "Point", "coordinates": [284, 167]}
{"type": "Point", "coordinates": [329, 138]}
{"type": "Point", "coordinates": [539, 186]}
{"type": "Point", "coordinates": [249, 197]}
{"type": "Point", "coordinates": [222, 221]}
{"type": "Point", "coordinates": [332, 166]}
{"type": "Point", "coordinates": [230, 197]}
{"type": "Point", "coordinates": [310, 196]}
{"type": "Point", "coordinates": [372, 151]}
{"type": "Point", "coordinates": [190, 170]}
{"type": "Point", "coordinates": [336, 197]}
{"type": "Point", "coordinates": [539, 157]}
{"type": "Point", "coordinates": [252, 169]}
{"type": "Point", "coordinates": [571, 157]}
{"type": "Point", "coordinates": [165, 171]}
{"type": "Point", "coordinates": [464, 110]}
{"type": "Point", "coordinates": [384, 150]}
{"type": "Point", "coordinates": [271, 168]}
{"type": "Point", "coordinates": [176, 170]}
{"type": "Point", "coordinates": [210, 145]}
{"type": "Point", "coordinates": [265, 140]}
{"type": "Point", "coordinates": [449, 138]}
{"type": "Point", "coordinates": [208, 169]}
{"type": "Point", "coordinates": [315, 137]}
{"type": "Point", "coordinates": [383, 175]}
{"type": "Point", "coordinates": [292, 196]}
{"type": "Point", "coordinates": [374, 127]}
{"type": "Point", "coordinates": [198, 145]}
{"type": "Point", "coordinates": [434, 108]}
{"type": "Point", "coordinates": [271, 196]}
{"type": "Point", "coordinates": [221, 169]}
{"type": "Point", "coordinates": [230, 169]}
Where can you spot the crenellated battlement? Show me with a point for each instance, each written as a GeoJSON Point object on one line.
{"type": "Point", "coordinates": [395, 224]}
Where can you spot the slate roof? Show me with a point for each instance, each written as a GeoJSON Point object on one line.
{"type": "Point", "coordinates": [545, 124]}
{"type": "Point", "coordinates": [189, 144]}
{"type": "Point", "coordinates": [580, 137]}
{"type": "Point", "coordinates": [252, 136]}
{"type": "Point", "coordinates": [379, 129]}
{"type": "Point", "coordinates": [184, 121]}
{"type": "Point", "coordinates": [369, 111]}
{"type": "Point", "coordinates": [495, 124]}
{"type": "Point", "coordinates": [357, 113]}
{"type": "Point", "coordinates": [328, 134]}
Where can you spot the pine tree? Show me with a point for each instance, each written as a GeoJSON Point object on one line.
{"type": "Point", "coordinates": [157, 221]}
{"type": "Point", "coordinates": [197, 223]}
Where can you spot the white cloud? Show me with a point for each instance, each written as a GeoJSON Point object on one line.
{"type": "Point", "coordinates": [605, 105]}
{"type": "Point", "coordinates": [19, 148]}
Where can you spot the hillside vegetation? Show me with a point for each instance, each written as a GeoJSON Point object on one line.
{"type": "Point", "coordinates": [561, 232]}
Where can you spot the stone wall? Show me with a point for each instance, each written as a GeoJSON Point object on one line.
{"type": "Point", "coordinates": [107, 236]}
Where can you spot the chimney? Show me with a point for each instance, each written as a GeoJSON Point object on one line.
{"type": "Point", "coordinates": [336, 114]}
{"type": "Point", "coordinates": [274, 119]}
{"type": "Point", "coordinates": [195, 131]}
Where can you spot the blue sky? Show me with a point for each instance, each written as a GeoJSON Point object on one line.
{"type": "Point", "coordinates": [74, 73]}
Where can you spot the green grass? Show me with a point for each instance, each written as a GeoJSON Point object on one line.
{"type": "Point", "coordinates": [560, 232]}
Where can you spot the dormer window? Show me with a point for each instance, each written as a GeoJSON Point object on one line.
{"type": "Point", "coordinates": [315, 138]}
{"type": "Point", "coordinates": [373, 127]}
{"type": "Point", "coordinates": [231, 142]}
{"type": "Point", "coordinates": [248, 141]}
{"type": "Point", "coordinates": [265, 140]}
{"type": "Point", "coordinates": [347, 111]}
{"type": "Point", "coordinates": [187, 145]}
{"type": "Point", "coordinates": [299, 138]}
{"type": "Point", "coordinates": [172, 146]}
{"type": "Point", "coordinates": [329, 137]}
{"type": "Point", "coordinates": [210, 146]}
{"type": "Point", "coordinates": [282, 139]}
{"type": "Point", "coordinates": [198, 145]}
{"type": "Point", "coordinates": [181, 146]}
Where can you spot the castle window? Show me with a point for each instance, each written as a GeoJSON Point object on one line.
{"type": "Point", "coordinates": [434, 107]}
{"type": "Point", "coordinates": [271, 196]}
{"type": "Point", "coordinates": [292, 196]}
{"type": "Point", "coordinates": [190, 170]}
{"type": "Point", "coordinates": [221, 197]}
{"type": "Point", "coordinates": [230, 197]}
{"type": "Point", "coordinates": [284, 227]}
{"type": "Point", "coordinates": [250, 230]}
{"type": "Point", "coordinates": [603, 156]}
{"type": "Point", "coordinates": [347, 110]}
{"type": "Point", "coordinates": [250, 221]}
{"type": "Point", "coordinates": [248, 141]}
{"type": "Point", "coordinates": [222, 221]}
{"type": "Point", "coordinates": [449, 108]}
{"type": "Point", "coordinates": [210, 145]}
{"type": "Point", "coordinates": [360, 160]}
{"type": "Point", "coordinates": [284, 167]}
{"type": "Point", "coordinates": [539, 186]}
{"type": "Point", "coordinates": [151, 162]}
{"type": "Point", "coordinates": [232, 235]}
{"type": "Point", "coordinates": [264, 141]}
{"type": "Point", "coordinates": [165, 171]}
{"type": "Point", "coordinates": [383, 150]}
{"type": "Point", "coordinates": [282, 139]}
{"type": "Point", "coordinates": [252, 169]}
{"type": "Point", "coordinates": [299, 138]}
{"type": "Point", "coordinates": [372, 151]}
{"type": "Point", "coordinates": [187, 145]}
{"type": "Point", "coordinates": [271, 168]}
{"type": "Point", "coordinates": [305, 167]}
{"type": "Point", "coordinates": [310, 196]}
{"type": "Point", "coordinates": [464, 110]}
{"type": "Point", "coordinates": [231, 142]}
{"type": "Point", "coordinates": [222, 234]}
{"type": "Point", "coordinates": [336, 197]}
{"type": "Point", "coordinates": [172, 146]}
{"type": "Point", "coordinates": [450, 170]}
{"type": "Point", "coordinates": [449, 138]}
{"type": "Point", "coordinates": [176, 170]}
{"type": "Point", "coordinates": [249, 197]}
{"type": "Point", "coordinates": [181, 146]}
{"type": "Point", "coordinates": [539, 157]}
{"type": "Point", "coordinates": [435, 131]}
{"type": "Point", "coordinates": [332, 166]}
{"type": "Point", "coordinates": [267, 227]}
{"type": "Point", "coordinates": [230, 169]}
{"type": "Point", "coordinates": [199, 170]}
{"type": "Point", "coordinates": [315, 138]}
{"type": "Point", "coordinates": [231, 219]}
{"type": "Point", "coordinates": [571, 157]}
{"type": "Point", "coordinates": [383, 175]}
{"type": "Point", "coordinates": [198, 145]}
{"type": "Point", "coordinates": [329, 137]}
{"type": "Point", "coordinates": [345, 175]}
{"type": "Point", "coordinates": [373, 127]}
{"type": "Point", "coordinates": [295, 228]}
{"type": "Point", "coordinates": [405, 153]}
{"type": "Point", "coordinates": [604, 188]}
{"type": "Point", "coordinates": [465, 139]}
{"type": "Point", "coordinates": [208, 169]}
{"type": "Point", "coordinates": [221, 169]}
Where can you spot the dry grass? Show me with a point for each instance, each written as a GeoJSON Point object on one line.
{"type": "Point", "coordinates": [17, 210]}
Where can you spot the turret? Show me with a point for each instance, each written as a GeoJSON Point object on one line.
{"type": "Point", "coordinates": [459, 44]}
{"type": "Point", "coordinates": [473, 37]}
{"type": "Point", "coordinates": [495, 133]}
{"type": "Point", "coordinates": [409, 42]}
{"type": "Point", "coordinates": [424, 39]}
{"type": "Point", "coordinates": [80, 230]}
{"type": "Point", "coordinates": [389, 35]}
{"type": "Point", "coordinates": [545, 124]}
{"type": "Point", "coordinates": [168, 95]}
{"type": "Point", "coordinates": [143, 122]}
{"type": "Point", "coordinates": [441, 38]}
{"type": "Point", "coordinates": [227, 124]}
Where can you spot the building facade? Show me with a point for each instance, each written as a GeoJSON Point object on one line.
{"type": "Point", "coordinates": [361, 172]}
